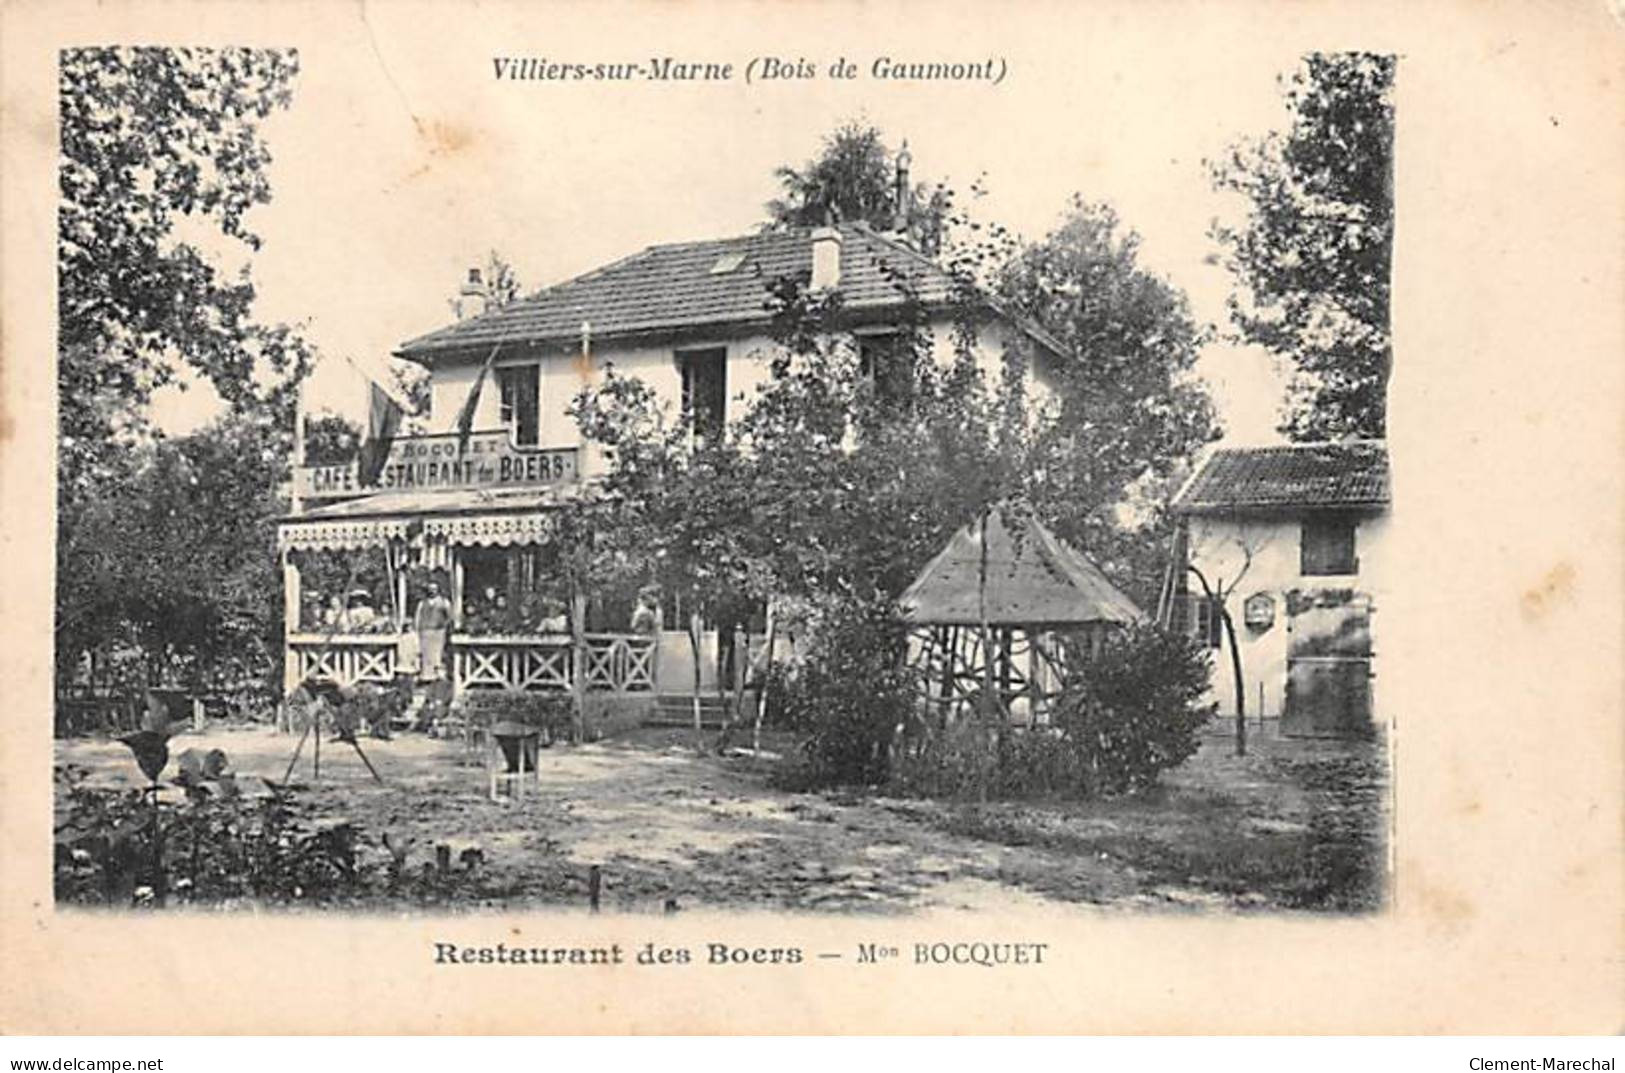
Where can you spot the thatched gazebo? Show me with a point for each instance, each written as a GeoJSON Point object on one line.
{"type": "Point", "coordinates": [1014, 611]}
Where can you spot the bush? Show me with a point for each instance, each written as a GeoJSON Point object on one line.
{"type": "Point", "coordinates": [1135, 709]}
{"type": "Point", "coordinates": [553, 714]}
{"type": "Point", "coordinates": [973, 759]}
{"type": "Point", "coordinates": [848, 694]}
{"type": "Point", "coordinates": [222, 847]}
{"type": "Point", "coordinates": [1128, 714]}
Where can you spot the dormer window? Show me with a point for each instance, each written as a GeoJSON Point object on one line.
{"type": "Point", "coordinates": [520, 388]}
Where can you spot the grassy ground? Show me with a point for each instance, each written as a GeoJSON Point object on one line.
{"type": "Point", "coordinates": [1294, 825]}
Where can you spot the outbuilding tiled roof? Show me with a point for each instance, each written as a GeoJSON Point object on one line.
{"type": "Point", "coordinates": [716, 283]}
{"type": "Point", "coordinates": [1353, 474]}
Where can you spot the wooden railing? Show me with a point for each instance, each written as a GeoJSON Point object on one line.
{"type": "Point", "coordinates": [612, 663]}
{"type": "Point", "coordinates": [541, 663]}
{"type": "Point", "coordinates": [620, 663]}
{"type": "Point", "coordinates": [348, 659]}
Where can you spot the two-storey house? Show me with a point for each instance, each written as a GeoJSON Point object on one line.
{"type": "Point", "coordinates": [693, 321]}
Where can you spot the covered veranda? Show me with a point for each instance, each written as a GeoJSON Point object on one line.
{"type": "Point", "coordinates": [355, 572]}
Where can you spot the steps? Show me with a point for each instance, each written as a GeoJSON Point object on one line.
{"type": "Point", "coordinates": [677, 710]}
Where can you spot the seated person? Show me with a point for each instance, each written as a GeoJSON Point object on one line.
{"type": "Point", "coordinates": [361, 614]}
{"type": "Point", "coordinates": [554, 618]}
{"type": "Point", "coordinates": [336, 618]}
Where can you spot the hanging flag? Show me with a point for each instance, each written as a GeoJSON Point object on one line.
{"type": "Point", "coordinates": [465, 416]}
{"type": "Point", "coordinates": [384, 416]}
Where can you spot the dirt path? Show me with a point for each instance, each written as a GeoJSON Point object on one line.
{"type": "Point", "coordinates": [669, 824]}
{"type": "Point", "coordinates": [663, 821]}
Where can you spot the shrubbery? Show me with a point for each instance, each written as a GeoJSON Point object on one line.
{"type": "Point", "coordinates": [848, 693]}
{"type": "Point", "coordinates": [221, 847]}
{"type": "Point", "coordinates": [552, 714]}
{"type": "Point", "coordinates": [1130, 713]}
{"type": "Point", "coordinates": [1135, 710]}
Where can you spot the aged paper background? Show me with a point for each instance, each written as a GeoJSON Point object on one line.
{"type": "Point", "coordinates": [1502, 645]}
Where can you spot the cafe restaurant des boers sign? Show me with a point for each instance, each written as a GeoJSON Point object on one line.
{"type": "Point", "coordinates": [429, 463]}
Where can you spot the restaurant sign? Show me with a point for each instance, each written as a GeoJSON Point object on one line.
{"type": "Point", "coordinates": [416, 463]}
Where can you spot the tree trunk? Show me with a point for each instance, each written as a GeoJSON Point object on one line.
{"type": "Point", "coordinates": [726, 672]}
{"type": "Point", "coordinates": [767, 676]}
{"type": "Point", "coordinates": [1241, 692]}
{"type": "Point", "coordinates": [694, 626]}
{"type": "Point", "coordinates": [738, 672]}
{"type": "Point", "coordinates": [578, 681]}
{"type": "Point", "coordinates": [1216, 601]}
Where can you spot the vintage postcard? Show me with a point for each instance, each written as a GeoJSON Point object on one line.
{"type": "Point", "coordinates": [824, 518]}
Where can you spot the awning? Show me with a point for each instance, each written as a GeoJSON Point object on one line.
{"type": "Point", "coordinates": [464, 518]}
{"type": "Point", "coordinates": [492, 530]}
{"type": "Point", "coordinates": [341, 535]}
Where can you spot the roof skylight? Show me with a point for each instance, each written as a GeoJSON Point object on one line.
{"type": "Point", "coordinates": [728, 262]}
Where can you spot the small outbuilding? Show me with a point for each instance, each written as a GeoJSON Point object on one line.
{"type": "Point", "coordinates": [1008, 601]}
{"type": "Point", "coordinates": [1297, 535]}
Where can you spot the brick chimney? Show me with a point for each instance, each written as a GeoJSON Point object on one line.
{"type": "Point", "coordinates": [471, 300]}
{"type": "Point", "coordinates": [826, 258]}
{"type": "Point", "coordinates": [902, 192]}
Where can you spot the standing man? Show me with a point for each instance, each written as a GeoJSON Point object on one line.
{"type": "Point", "coordinates": [433, 624]}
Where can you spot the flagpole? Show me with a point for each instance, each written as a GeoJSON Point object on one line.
{"type": "Point", "coordinates": [465, 416]}
{"type": "Point", "coordinates": [368, 378]}
{"type": "Point", "coordinates": [298, 445]}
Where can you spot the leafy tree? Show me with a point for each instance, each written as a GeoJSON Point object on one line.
{"type": "Point", "coordinates": [501, 281]}
{"type": "Point", "coordinates": [499, 284]}
{"type": "Point", "coordinates": [668, 513]}
{"type": "Point", "coordinates": [152, 137]}
{"type": "Point", "coordinates": [1313, 259]}
{"type": "Point", "coordinates": [331, 439]}
{"type": "Point", "coordinates": [1129, 408]}
{"type": "Point", "coordinates": [157, 144]}
{"type": "Point", "coordinates": [412, 385]}
{"type": "Point", "coordinates": [854, 178]}
{"type": "Point", "coordinates": [827, 493]}
{"type": "Point", "coordinates": [182, 558]}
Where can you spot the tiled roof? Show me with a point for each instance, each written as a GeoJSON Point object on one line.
{"type": "Point", "coordinates": [1351, 474]}
{"type": "Point", "coordinates": [1037, 582]}
{"type": "Point", "coordinates": [723, 282]}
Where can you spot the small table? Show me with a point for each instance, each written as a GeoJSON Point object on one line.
{"type": "Point", "coordinates": [512, 758]}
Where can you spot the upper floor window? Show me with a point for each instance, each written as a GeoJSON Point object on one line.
{"type": "Point", "coordinates": [1328, 546]}
{"type": "Point", "coordinates": [885, 363]}
{"type": "Point", "coordinates": [705, 388]}
{"type": "Point", "coordinates": [520, 391]}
